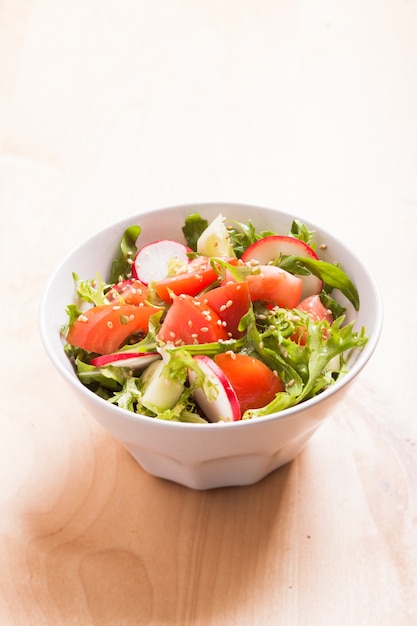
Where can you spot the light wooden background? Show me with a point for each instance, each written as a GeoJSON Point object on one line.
{"type": "Point", "coordinates": [111, 107]}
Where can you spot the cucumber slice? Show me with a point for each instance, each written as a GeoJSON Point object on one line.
{"type": "Point", "coordinates": [215, 239]}
{"type": "Point", "coordinates": [159, 392]}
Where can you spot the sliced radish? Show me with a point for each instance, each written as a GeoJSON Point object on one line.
{"type": "Point", "coordinates": [270, 248]}
{"type": "Point", "coordinates": [152, 262]}
{"type": "Point", "coordinates": [134, 360]}
{"type": "Point", "coordinates": [225, 406]}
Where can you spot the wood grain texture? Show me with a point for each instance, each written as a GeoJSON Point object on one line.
{"type": "Point", "coordinates": [108, 108]}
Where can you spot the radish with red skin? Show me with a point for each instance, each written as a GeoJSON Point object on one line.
{"type": "Point", "coordinates": [134, 360]}
{"type": "Point", "coordinates": [271, 248]}
{"type": "Point", "coordinates": [152, 262]}
{"type": "Point", "coordinates": [225, 406]}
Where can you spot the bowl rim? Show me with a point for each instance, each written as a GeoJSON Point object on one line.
{"type": "Point", "coordinates": [363, 356]}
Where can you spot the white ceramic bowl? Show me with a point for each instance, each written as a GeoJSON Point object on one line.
{"type": "Point", "coordinates": [204, 456]}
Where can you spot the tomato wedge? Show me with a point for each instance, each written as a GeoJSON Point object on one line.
{"type": "Point", "coordinates": [316, 310]}
{"type": "Point", "coordinates": [198, 276]}
{"type": "Point", "coordinates": [128, 292]}
{"type": "Point", "coordinates": [231, 302]}
{"type": "Point", "coordinates": [189, 321]}
{"type": "Point", "coordinates": [104, 329]}
{"type": "Point", "coordinates": [254, 383]}
{"type": "Point", "coordinates": [275, 286]}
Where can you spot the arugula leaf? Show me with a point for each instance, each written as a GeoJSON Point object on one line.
{"type": "Point", "coordinates": [329, 273]}
{"type": "Point", "coordinates": [193, 227]}
{"type": "Point", "coordinates": [331, 304]}
{"type": "Point", "coordinates": [122, 265]}
{"type": "Point", "coordinates": [300, 231]}
{"type": "Point", "coordinates": [109, 377]}
{"type": "Point", "coordinates": [244, 235]}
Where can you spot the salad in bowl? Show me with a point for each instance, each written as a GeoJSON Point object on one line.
{"type": "Point", "coordinates": [233, 324]}
{"type": "Point", "coordinates": [211, 339]}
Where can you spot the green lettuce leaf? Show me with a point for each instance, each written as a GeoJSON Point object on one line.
{"type": "Point", "coordinates": [122, 265]}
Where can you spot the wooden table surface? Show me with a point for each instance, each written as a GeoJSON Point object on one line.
{"type": "Point", "coordinates": [109, 108]}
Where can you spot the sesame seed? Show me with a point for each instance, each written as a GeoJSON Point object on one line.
{"type": "Point", "coordinates": [172, 334]}
{"type": "Point", "coordinates": [204, 329]}
{"type": "Point", "coordinates": [131, 317]}
{"type": "Point", "coordinates": [194, 336]}
{"type": "Point", "coordinates": [190, 323]}
{"type": "Point", "coordinates": [83, 318]}
{"type": "Point", "coordinates": [222, 308]}
{"type": "Point", "coordinates": [323, 246]}
{"type": "Point", "coordinates": [291, 382]}
{"type": "Point", "coordinates": [110, 324]}
{"type": "Point", "coordinates": [261, 345]}
{"type": "Point", "coordinates": [229, 303]}
{"type": "Point", "coordinates": [116, 307]}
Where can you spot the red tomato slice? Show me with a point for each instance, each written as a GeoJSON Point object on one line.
{"type": "Point", "coordinates": [230, 301]}
{"type": "Point", "coordinates": [104, 329]}
{"type": "Point", "coordinates": [128, 292]}
{"type": "Point", "coordinates": [275, 286]}
{"type": "Point", "coordinates": [199, 276]}
{"type": "Point", "coordinates": [189, 321]}
{"type": "Point", "coordinates": [315, 308]}
{"type": "Point", "coordinates": [254, 383]}
{"type": "Point", "coordinates": [317, 311]}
